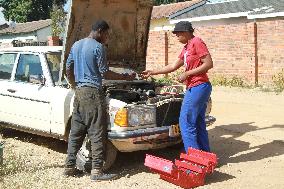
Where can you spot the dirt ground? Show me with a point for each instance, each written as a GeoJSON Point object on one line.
{"type": "Point", "coordinates": [248, 138]}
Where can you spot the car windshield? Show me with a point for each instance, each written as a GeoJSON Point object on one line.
{"type": "Point", "coordinates": [54, 60]}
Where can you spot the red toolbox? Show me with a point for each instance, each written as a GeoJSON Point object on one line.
{"type": "Point", "coordinates": [189, 171]}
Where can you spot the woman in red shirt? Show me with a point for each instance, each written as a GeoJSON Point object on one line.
{"type": "Point", "coordinates": [197, 60]}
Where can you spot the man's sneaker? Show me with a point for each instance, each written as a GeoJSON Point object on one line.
{"type": "Point", "coordinates": [72, 171]}
{"type": "Point", "coordinates": [97, 175]}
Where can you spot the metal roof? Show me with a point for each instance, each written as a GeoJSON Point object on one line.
{"type": "Point", "coordinates": [233, 7]}
{"type": "Point", "coordinates": [164, 11]}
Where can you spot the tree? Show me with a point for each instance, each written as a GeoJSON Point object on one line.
{"type": "Point", "coordinates": [28, 10]}
{"type": "Point", "coordinates": [58, 20]}
{"type": "Point", "coordinates": [159, 2]}
{"type": "Point", "coordinates": [16, 10]}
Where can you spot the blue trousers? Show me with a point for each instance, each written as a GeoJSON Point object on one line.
{"type": "Point", "coordinates": [192, 117]}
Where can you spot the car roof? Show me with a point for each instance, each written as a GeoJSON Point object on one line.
{"type": "Point", "coordinates": [40, 49]}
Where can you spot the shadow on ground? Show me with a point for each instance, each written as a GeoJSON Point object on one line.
{"type": "Point", "coordinates": [51, 143]}
{"type": "Point", "coordinates": [224, 142]}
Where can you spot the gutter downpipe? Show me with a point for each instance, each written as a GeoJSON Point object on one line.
{"type": "Point", "coordinates": [255, 52]}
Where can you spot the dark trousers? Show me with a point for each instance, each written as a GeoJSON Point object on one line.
{"type": "Point", "coordinates": [192, 117]}
{"type": "Point", "coordinates": [89, 117]}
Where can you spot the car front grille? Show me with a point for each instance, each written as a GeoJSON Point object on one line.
{"type": "Point", "coordinates": [168, 112]}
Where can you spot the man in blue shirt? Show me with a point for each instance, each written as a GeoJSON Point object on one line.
{"type": "Point", "coordinates": [86, 65]}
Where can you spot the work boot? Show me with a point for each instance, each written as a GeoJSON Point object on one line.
{"type": "Point", "coordinates": [99, 175]}
{"type": "Point", "coordinates": [72, 171]}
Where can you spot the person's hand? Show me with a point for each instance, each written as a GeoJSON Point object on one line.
{"type": "Point", "coordinates": [182, 77]}
{"type": "Point", "coordinates": [147, 73]}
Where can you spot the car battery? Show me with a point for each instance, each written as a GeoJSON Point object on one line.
{"type": "Point", "coordinates": [188, 171]}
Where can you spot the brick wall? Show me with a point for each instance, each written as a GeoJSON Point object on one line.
{"type": "Point", "coordinates": [270, 49]}
{"type": "Point", "coordinates": [232, 48]}
{"type": "Point", "coordinates": [156, 50]}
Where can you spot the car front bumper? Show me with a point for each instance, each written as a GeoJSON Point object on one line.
{"type": "Point", "coordinates": [148, 138]}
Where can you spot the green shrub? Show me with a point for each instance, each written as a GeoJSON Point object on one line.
{"type": "Point", "coordinates": [57, 16]}
{"type": "Point", "coordinates": [171, 79]}
{"type": "Point", "coordinates": [216, 80]}
{"type": "Point", "coordinates": [219, 80]}
{"type": "Point", "coordinates": [11, 163]}
{"type": "Point", "coordinates": [163, 81]}
{"type": "Point", "coordinates": [278, 81]}
{"type": "Point", "coordinates": [235, 81]}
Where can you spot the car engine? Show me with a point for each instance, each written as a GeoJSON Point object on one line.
{"type": "Point", "coordinates": [145, 94]}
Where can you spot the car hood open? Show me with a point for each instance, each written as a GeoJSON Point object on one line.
{"type": "Point", "coordinates": [129, 22]}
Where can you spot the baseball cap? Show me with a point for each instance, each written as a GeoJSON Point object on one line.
{"type": "Point", "coordinates": [183, 26]}
{"type": "Point", "coordinates": [100, 24]}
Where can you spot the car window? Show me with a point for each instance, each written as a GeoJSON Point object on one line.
{"type": "Point", "coordinates": [29, 65]}
{"type": "Point", "coordinates": [7, 61]}
{"type": "Point", "coordinates": [53, 60]}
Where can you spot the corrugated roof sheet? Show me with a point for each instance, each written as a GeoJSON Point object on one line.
{"type": "Point", "coordinates": [164, 11]}
{"type": "Point", "coordinates": [26, 27]}
{"type": "Point", "coordinates": [250, 6]}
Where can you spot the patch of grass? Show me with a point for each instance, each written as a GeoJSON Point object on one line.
{"type": "Point", "coordinates": [11, 163]}
{"type": "Point", "coordinates": [219, 80]}
{"type": "Point", "coordinates": [265, 88]}
{"type": "Point", "coordinates": [235, 81]}
{"type": "Point", "coordinates": [278, 81]}
{"type": "Point", "coordinates": [216, 80]}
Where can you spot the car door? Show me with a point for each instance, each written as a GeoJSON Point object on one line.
{"type": "Point", "coordinates": [7, 63]}
{"type": "Point", "coordinates": [30, 93]}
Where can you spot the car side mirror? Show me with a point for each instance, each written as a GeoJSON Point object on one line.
{"type": "Point", "coordinates": [37, 79]}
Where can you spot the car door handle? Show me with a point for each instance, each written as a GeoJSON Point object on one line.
{"type": "Point", "coordinates": [11, 90]}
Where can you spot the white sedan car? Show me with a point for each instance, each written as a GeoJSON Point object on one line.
{"type": "Point", "coordinates": [35, 100]}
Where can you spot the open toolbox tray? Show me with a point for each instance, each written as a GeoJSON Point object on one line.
{"type": "Point", "coordinates": [189, 171]}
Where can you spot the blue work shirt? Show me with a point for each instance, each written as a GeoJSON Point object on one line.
{"type": "Point", "coordinates": [89, 58]}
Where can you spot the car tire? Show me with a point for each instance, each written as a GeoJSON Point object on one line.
{"type": "Point", "coordinates": [84, 156]}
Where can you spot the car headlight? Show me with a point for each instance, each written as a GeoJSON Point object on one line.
{"type": "Point", "coordinates": [121, 117]}
{"type": "Point", "coordinates": [141, 115]}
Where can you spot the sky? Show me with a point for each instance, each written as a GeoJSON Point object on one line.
{"type": "Point", "coordinates": [2, 19]}
{"type": "Point", "coordinates": [67, 5]}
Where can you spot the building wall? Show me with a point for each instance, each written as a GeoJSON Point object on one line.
{"type": "Point", "coordinates": [270, 49]}
{"type": "Point", "coordinates": [156, 50]}
{"type": "Point", "coordinates": [224, 21]}
{"type": "Point", "coordinates": [164, 24]}
{"type": "Point", "coordinates": [232, 48]}
{"type": "Point", "coordinates": [21, 37]}
{"type": "Point", "coordinates": [160, 24]}
{"type": "Point", "coordinates": [39, 36]}
{"type": "Point", "coordinates": [42, 34]}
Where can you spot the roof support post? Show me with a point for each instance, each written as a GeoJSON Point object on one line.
{"type": "Point", "coordinates": [255, 53]}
